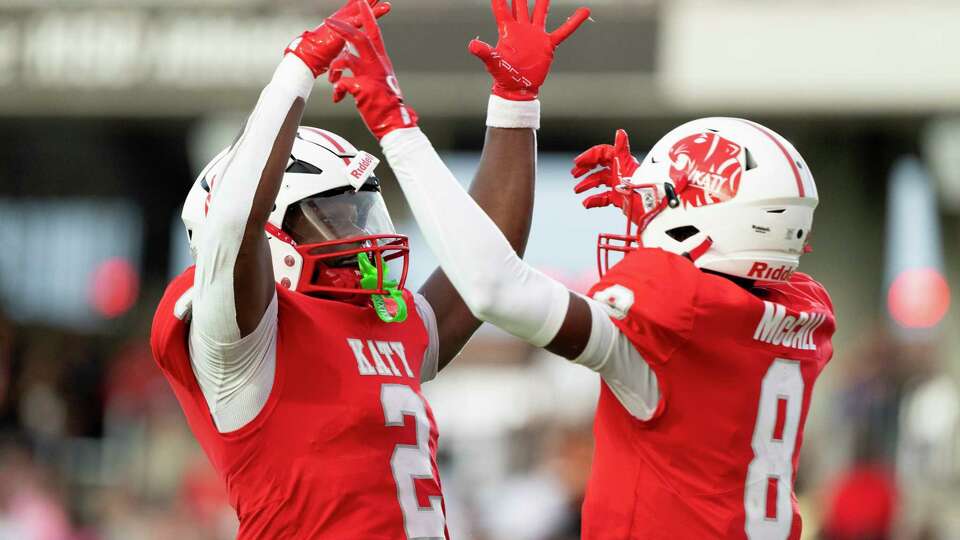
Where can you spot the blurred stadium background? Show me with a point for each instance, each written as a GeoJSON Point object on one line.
{"type": "Point", "coordinates": [109, 108]}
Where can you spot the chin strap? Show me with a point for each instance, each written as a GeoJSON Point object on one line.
{"type": "Point", "coordinates": [390, 307]}
{"type": "Point", "coordinates": [699, 250]}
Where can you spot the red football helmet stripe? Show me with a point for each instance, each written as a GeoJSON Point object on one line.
{"type": "Point", "coordinates": [786, 154]}
{"type": "Point", "coordinates": [332, 141]}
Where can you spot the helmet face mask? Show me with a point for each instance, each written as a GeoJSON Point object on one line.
{"type": "Point", "coordinates": [328, 232]}
{"type": "Point", "coordinates": [643, 202]}
{"type": "Point", "coordinates": [329, 211]}
{"type": "Point", "coordinates": [729, 194]}
{"type": "Point", "coordinates": [331, 268]}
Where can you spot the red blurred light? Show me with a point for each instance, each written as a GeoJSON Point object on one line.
{"type": "Point", "coordinates": [918, 298]}
{"type": "Point", "coordinates": [114, 288]}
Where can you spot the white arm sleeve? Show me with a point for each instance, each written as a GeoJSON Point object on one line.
{"type": "Point", "coordinates": [610, 353]}
{"type": "Point", "coordinates": [236, 378]}
{"type": "Point", "coordinates": [431, 357]}
{"type": "Point", "coordinates": [495, 283]}
{"type": "Point", "coordinates": [235, 374]}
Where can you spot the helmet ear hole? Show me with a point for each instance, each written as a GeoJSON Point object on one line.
{"type": "Point", "coordinates": [682, 233]}
{"type": "Point", "coordinates": [302, 167]}
{"type": "Point", "coordinates": [751, 163]}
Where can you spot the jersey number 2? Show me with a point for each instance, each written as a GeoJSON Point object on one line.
{"type": "Point", "coordinates": [410, 462]}
{"type": "Point", "coordinates": [767, 501]}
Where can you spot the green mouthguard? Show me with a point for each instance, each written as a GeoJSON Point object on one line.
{"type": "Point", "coordinates": [368, 281]}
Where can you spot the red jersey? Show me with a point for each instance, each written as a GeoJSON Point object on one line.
{"type": "Point", "coordinates": [735, 370]}
{"type": "Point", "coordinates": [345, 446]}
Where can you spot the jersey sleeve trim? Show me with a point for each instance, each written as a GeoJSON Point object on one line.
{"type": "Point", "coordinates": [166, 325]}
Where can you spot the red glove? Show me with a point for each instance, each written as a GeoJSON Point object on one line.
{"type": "Point", "coordinates": [373, 84]}
{"type": "Point", "coordinates": [318, 47]}
{"type": "Point", "coordinates": [521, 61]}
{"type": "Point", "coordinates": [618, 168]}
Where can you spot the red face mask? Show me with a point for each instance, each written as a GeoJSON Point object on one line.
{"type": "Point", "coordinates": [330, 232]}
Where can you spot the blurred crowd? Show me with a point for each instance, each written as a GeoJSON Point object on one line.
{"type": "Point", "coordinates": [94, 446]}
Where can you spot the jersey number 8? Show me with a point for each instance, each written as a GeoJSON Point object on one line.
{"type": "Point", "coordinates": [769, 484]}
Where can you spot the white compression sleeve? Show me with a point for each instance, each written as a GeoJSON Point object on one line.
{"type": "Point", "coordinates": [214, 310]}
{"type": "Point", "coordinates": [236, 378]}
{"type": "Point", "coordinates": [610, 353]}
{"type": "Point", "coordinates": [236, 375]}
{"type": "Point", "coordinates": [495, 283]}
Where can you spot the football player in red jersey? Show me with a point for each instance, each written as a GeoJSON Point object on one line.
{"type": "Point", "coordinates": [707, 339]}
{"type": "Point", "coordinates": [295, 354]}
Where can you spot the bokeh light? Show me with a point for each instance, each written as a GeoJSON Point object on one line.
{"type": "Point", "coordinates": [114, 287]}
{"type": "Point", "coordinates": [918, 298]}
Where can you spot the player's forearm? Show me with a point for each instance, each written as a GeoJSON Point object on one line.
{"type": "Point", "coordinates": [242, 193]}
{"type": "Point", "coordinates": [234, 192]}
{"type": "Point", "coordinates": [503, 186]}
{"type": "Point", "coordinates": [493, 281]}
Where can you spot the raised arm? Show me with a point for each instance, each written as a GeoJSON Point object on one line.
{"type": "Point", "coordinates": [504, 184]}
{"type": "Point", "coordinates": [477, 258]}
{"type": "Point", "coordinates": [503, 187]}
{"type": "Point", "coordinates": [234, 282]}
{"type": "Point", "coordinates": [499, 288]}
{"type": "Point", "coordinates": [233, 285]}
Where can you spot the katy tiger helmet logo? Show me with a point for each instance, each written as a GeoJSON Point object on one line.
{"type": "Point", "coordinates": [711, 164]}
{"type": "Point", "coordinates": [713, 182]}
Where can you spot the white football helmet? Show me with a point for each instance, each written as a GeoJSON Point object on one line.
{"type": "Point", "coordinates": [730, 194]}
{"type": "Point", "coordinates": [328, 211]}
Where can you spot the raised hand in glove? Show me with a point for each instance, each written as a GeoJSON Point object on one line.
{"type": "Point", "coordinates": [618, 166]}
{"type": "Point", "coordinates": [373, 83]}
{"type": "Point", "coordinates": [320, 46]}
{"type": "Point", "coordinates": [520, 63]}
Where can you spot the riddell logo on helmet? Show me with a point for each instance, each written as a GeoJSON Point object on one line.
{"type": "Point", "coordinates": [710, 164]}
{"type": "Point", "coordinates": [761, 270]}
{"type": "Point", "coordinates": [360, 168]}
